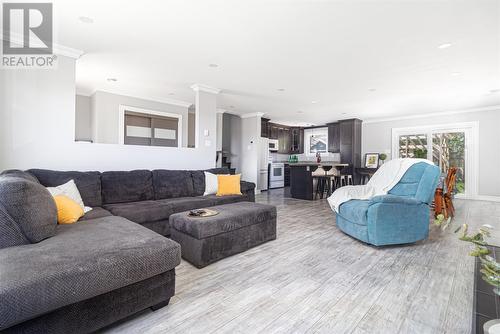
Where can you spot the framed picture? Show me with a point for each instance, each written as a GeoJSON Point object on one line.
{"type": "Point", "coordinates": [371, 160]}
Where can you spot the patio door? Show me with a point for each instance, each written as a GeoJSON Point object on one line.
{"type": "Point", "coordinates": [446, 146]}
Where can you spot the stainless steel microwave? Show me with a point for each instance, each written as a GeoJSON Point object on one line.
{"type": "Point", "coordinates": [273, 145]}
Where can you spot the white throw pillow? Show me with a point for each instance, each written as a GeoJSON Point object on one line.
{"type": "Point", "coordinates": [70, 190]}
{"type": "Point", "coordinates": [211, 184]}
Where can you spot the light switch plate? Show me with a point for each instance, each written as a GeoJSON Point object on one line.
{"type": "Point", "coordinates": [208, 143]}
{"type": "Point", "coordinates": [206, 133]}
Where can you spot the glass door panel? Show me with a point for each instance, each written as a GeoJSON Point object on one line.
{"type": "Point", "coordinates": [413, 146]}
{"type": "Point", "coordinates": [448, 150]}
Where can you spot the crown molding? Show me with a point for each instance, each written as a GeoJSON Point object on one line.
{"type": "Point", "coordinates": [173, 102]}
{"type": "Point", "coordinates": [254, 114]}
{"type": "Point", "coordinates": [57, 49]}
{"type": "Point", "coordinates": [435, 114]}
{"type": "Point", "coordinates": [205, 88]}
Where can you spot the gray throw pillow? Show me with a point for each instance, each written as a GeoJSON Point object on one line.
{"type": "Point", "coordinates": [30, 206]}
{"type": "Point", "coordinates": [19, 173]}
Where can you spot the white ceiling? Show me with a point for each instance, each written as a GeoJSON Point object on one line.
{"type": "Point", "coordinates": [365, 59]}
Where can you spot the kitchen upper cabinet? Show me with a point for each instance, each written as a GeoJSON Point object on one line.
{"type": "Point", "coordinates": [334, 137]}
{"type": "Point", "coordinates": [296, 140]}
{"type": "Point", "coordinates": [283, 140]}
{"type": "Point", "coordinates": [286, 140]}
{"type": "Point", "coordinates": [273, 130]}
{"type": "Point", "coordinates": [290, 139]}
{"type": "Point", "coordinates": [346, 132]}
{"type": "Point", "coordinates": [264, 127]}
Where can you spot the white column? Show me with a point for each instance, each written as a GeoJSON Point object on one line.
{"type": "Point", "coordinates": [206, 118]}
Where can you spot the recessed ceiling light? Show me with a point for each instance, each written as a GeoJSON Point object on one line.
{"type": "Point", "coordinates": [314, 102]}
{"type": "Point", "coordinates": [213, 65]}
{"type": "Point", "coordinates": [495, 90]}
{"type": "Point", "coordinates": [112, 79]}
{"type": "Point", "coordinates": [86, 19]}
{"type": "Point", "coordinates": [372, 89]}
{"type": "Point", "coordinates": [444, 46]}
{"type": "Point", "coordinates": [456, 74]}
{"type": "Point", "coordinates": [281, 89]}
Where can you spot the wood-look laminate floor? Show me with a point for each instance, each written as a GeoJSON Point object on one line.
{"type": "Point", "coordinates": [314, 278]}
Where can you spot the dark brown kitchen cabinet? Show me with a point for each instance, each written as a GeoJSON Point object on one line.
{"type": "Point", "coordinates": [287, 175]}
{"type": "Point", "coordinates": [350, 145]}
{"type": "Point", "coordinates": [290, 139]}
{"type": "Point", "coordinates": [333, 137]}
{"type": "Point", "coordinates": [346, 132]}
{"type": "Point", "coordinates": [284, 140]}
{"type": "Point", "coordinates": [273, 131]}
{"type": "Point", "coordinates": [264, 127]}
{"type": "Point", "coordinates": [296, 140]}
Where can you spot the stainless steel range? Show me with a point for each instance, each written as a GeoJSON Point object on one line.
{"type": "Point", "coordinates": [276, 175]}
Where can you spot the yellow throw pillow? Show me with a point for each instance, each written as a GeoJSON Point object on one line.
{"type": "Point", "coordinates": [68, 211]}
{"type": "Point", "coordinates": [228, 185]}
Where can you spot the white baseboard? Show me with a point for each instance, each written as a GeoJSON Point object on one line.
{"type": "Point", "coordinates": [486, 198]}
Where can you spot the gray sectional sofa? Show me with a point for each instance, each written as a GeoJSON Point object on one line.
{"type": "Point", "coordinates": [142, 196]}
{"type": "Point", "coordinates": [81, 277]}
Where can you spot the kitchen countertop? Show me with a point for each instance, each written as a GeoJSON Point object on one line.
{"type": "Point", "coordinates": [312, 163]}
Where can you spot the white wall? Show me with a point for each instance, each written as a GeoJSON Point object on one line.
{"type": "Point", "coordinates": [377, 137]}
{"type": "Point", "coordinates": [105, 111]}
{"type": "Point", "coordinates": [38, 129]}
{"type": "Point", "coordinates": [83, 126]}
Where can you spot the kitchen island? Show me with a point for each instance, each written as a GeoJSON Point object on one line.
{"type": "Point", "coordinates": [301, 180]}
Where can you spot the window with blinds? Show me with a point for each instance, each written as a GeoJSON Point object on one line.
{"type": "Point", "coordinates": [150, 130]}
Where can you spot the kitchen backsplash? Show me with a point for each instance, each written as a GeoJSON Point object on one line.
{"type": "Point", "coordinates": [278, 157]}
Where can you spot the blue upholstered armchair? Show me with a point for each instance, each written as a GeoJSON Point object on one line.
{"type": "Point", "coordinates": [402, 216]}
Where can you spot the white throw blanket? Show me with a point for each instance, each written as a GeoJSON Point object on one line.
{"type": "Point", "coordinates": [384, 179]}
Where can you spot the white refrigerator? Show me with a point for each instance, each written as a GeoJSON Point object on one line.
{"type": "Point", "coordinates": [263, 163]}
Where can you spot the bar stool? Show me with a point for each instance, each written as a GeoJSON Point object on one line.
{"type": "Point", "coordinates": [319, 175]}
{"type": "Point", "coordinates": [323, 185]}
{"type": "Point", "coordinates": [332, 175]}
{"type": "Point", "coordinates": [343, 180]}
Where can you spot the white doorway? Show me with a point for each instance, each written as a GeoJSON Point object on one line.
{"type": "Point", "coordinates": [447, 145]}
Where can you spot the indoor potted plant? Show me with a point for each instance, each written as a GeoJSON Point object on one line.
{"type": "Point", "coordinates": [382, 157]}
{"type": "Point", "coordinates": [490, 268]}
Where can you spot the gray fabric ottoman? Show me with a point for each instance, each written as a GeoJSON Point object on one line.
{"type": "Point", "coordinates": [237, 227]}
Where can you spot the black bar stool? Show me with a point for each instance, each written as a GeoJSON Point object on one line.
{"type": "Point", "coordinates": [322, 185]}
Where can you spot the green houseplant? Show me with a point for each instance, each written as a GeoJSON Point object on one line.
{"type": "Point", "coordinates": [382, 157]}
{"type": "Point", "coordinates": [490, 269]}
